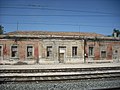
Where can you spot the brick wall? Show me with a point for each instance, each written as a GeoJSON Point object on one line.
{"type": "Point", "coordinates": [22, 48]}
{"type": "Point", "coordinates": [107, 46]}
{"type": "Point", "coordinates": [112, 49]}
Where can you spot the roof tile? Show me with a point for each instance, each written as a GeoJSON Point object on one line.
{"type": "Point", "coordinates": [53, 33]}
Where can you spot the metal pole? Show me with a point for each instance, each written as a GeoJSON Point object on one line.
{"type": "Point", "coordinates": [79, 28]}
{"type": "Point", "coordinates": [17, 26]}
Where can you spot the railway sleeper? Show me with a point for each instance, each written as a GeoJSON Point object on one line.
{"type": "Point", "coordinates": [57, 70]}
{"type": "Point", "coordinates": [56, 78]}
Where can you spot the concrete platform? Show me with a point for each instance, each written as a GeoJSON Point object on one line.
{"type": "Point", "coordinates": [57, 66]}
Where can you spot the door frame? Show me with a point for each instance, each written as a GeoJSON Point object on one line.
{"type": "Point", "coordinates": [61, 50]}
{"type": "Point", "coordinates": [1, 56]}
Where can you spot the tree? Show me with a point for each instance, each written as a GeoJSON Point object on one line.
{"type": "Point", "coordinates": [1, 29]}
{"type": "Point", "coordinates": [116, 33]}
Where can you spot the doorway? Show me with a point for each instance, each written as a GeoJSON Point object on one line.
{"type": "Point", "coordinates": [1, 53]}
{"type": "Point", "coordinates": [62, 52]}
{"type": "Point", "coordinates": [116, 55]}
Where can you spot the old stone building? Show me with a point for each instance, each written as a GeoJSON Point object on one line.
{"type": "Point", "coordinates": [103, 49]}
{"type": "Point", "coordinates": [33, 47]}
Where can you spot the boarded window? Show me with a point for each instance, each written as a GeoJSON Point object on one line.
{"type": "Point", "coordinates": [14, 51]}
{"type": "Point", "coordinates": [29, 51]}
{"type": "Point", "coordinates": [103, 54]}
{"type": "Point", "coordinates": [91, 51]}
{"type": "Point", "coordinates": [49, 51]}
{"type": "Point", "coordinates": [74, 51]}
{"type": "Point", "coordinates": [115, 54]}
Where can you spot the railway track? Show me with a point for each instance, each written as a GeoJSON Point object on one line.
{"type": "Point", "coordinates": [57, 70]}
{"type": "Point", "coordinates": [27, 75]}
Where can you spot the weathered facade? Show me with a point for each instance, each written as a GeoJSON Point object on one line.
{"type": "Point", "coordinates": [103, 50]}
{"type": "Point", "coordinates": [57, 47]}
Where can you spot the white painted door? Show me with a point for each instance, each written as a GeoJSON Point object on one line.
{"type": "Point", "coordinates": [62, 51]}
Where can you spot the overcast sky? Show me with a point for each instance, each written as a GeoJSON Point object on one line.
{"type": "Point", "coordinates": [100, 16]}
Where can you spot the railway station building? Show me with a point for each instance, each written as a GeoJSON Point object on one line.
{"type": "Point", "coordinates": [40, 47]}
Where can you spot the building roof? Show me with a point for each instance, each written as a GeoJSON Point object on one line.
{"type": "Point", "coordinates": [54, 33]}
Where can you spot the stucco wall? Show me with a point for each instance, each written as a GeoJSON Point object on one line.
{"type": "Point", "coordinates": [56, 43]}
{"type": "Point", "coordinates": [22, 45]}
{"type": "Point", "coordinates": [112, 49]}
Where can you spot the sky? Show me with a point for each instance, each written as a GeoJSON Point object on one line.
{"type": "Point", "coordinates": [95, 16]}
